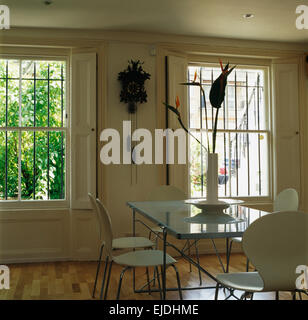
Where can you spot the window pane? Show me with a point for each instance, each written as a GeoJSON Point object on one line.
{"type": "Point", "coordinates": [8, 165]}
{"type": "Point", "coordinates": [36, 89]}
{"type": "Point", "coordinates": [56, 102]}
{"type": "Point", "coordinates": [2, 101]}
{"type": "Point", "coordinates": [27, 160]}
{"type": "Point", "coordinates": [242, 157]}
{"type": "Point", "coordinates": [13, 69]}
{"type": "Point", "coordinates": [27, 107]}
{"type": "Point", "coordinates": [13, 103]}
{"type": "Point", "coordinates": [41, 105]}
{"type": "Point", "coordinates": [57, 165]}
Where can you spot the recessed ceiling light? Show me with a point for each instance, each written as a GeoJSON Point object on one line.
{"type": "Point", "coordinates": [248, 15]}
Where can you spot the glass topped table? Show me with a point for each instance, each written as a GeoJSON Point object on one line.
{"type": "Point", "coordinates": [173, 217]}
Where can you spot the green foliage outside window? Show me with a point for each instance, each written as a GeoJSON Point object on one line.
{"type": "Point", "coordinates": [41, 83]}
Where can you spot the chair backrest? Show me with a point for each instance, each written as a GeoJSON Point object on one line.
{"type": "Point", "coordinates": [95, 209]}
{"type": "Point", "coordinates": [163, 193]}
{"type": "Point", "coordinates": [286, 200]}
{"type": "Point", "coordinates": [276, 244]}
{"type": "Point", "coordinates": [107, 235]}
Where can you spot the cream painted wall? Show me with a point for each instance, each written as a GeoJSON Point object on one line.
{"type": "Point", "coordinates": [128, 182]}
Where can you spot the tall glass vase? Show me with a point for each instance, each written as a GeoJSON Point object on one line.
{"type": "Point", "coordinates": [212, 178]}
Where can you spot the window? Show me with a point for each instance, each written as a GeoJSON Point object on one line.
{"type": "Point", "coordinates": [32, 129]}
{"type": "Point", "coordinates": [243, 132]}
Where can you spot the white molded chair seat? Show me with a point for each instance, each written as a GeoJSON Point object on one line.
{"type": "Point", "coordinates": [131, 242]}
{"type": "Point", "coordinates": [143, 258]}
{"type": "Point", "coordinates": [245, 281]}
{"type": "Point", "coordinates": [275, 244]}
{"type": "Point", "coordinates": [286, 200]}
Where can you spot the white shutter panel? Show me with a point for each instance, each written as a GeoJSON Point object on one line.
{"type": "Point", "coordinates": [83, 128]}
{"type": "Point", "coordinates": [177, 73]}
{"type": "Point", "coordinates": [286, 127]}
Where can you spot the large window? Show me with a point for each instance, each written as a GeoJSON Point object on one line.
{"type": "Point", "coordinates": [32, 129]}
{"type": "Point", "coordinates": [243, 132]}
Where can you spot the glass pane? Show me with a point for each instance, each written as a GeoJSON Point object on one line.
{"type": "Point", "coordinates": [56, 98]}
{"type": "Point", "coordinates": [41, 68]}
{"type": "Point", "coordinates": [12, 165]}
{"type": "Point", "coordinates": [197, 165]}
{"type": "Point", "coordinates": [41, 106]}
{"type": "Point", "coordinates": [13, 69]}
{"type": "Point", "coordinates": [13, 103]}
{"type": "Point", "coordinates": [249, 165]}
{"type": "Point", "coordinates": [55, 71]}
{"type": "Point", "coordinates": [57, 165]}
{"type": "Point", "coordinates": [27, 69]}
{"type": "Point", "coordinates": [2, 102]}
{"type": "Point", "coordinates": [2, 164]}
{"type": "Point", "coordinates": [27, 107]}
{"type": "Point", "coordinates": [27, 159]}
{"type": "Point", "coordinates": [41, 165]}
{"type": "Point", "coordinates": [3, 68]}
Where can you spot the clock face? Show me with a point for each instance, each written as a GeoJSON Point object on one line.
{"type": "Point", "coordinates": [133, 87]}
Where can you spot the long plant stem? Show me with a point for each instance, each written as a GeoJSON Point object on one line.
{"type": "Point", "coordinates": [215, 130]}
{"type": "Point", "coordinates": [206, 124]}
{"type": "Point", "coordinates": [182, 125]}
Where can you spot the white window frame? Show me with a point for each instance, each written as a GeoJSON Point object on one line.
{"type": "Point", "coordinates": [266, 68]}
{"type": "Point", "coordinates": [46, 204]}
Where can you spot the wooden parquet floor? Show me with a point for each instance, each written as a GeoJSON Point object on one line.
{"type": "Point", "coordinates": [75, 280]}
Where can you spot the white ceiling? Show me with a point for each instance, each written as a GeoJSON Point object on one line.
{"type": "Point", "coordinates": [274, 19]}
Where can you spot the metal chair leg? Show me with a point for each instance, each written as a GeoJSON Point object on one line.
{"type": "Point", "coordinates": [216, 291]}
{"type": "Point", "coordinates": [277, 295]}
{"type": "Point", "coordinates": [178, 281]}
{"type": "Point", "coordinates": [247, 265]}
{"type": "Point", "coordinates": [97, 269]}
{"type": "Point", "coordinates": [104, 277]}
{"type": "Point", "coordinates": [189, 253]}
{"type": "Point", "coordinates": [198, 261]}
{"type": "Point", "coordinates": [229, 255]}
{"type": "Point", "coordinates": [148, 280]}
{"type": "Point", "coordinates": [108, 280]}
{"type": "Point", "coordinates": [120, 281]}
{"type": "Point", "coordinates": [158, 281]}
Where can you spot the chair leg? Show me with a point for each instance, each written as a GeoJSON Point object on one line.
{"type": "Point", "coordinates": [108, 280]}
{"type": "Point", "coordinates": [178, 281]}
{"type": "Point", "coordinates": [277, 295]}
{"type": "Point", "coordinates": [189, 253]}
{"type": "Point", "coordinates": [104, 278]}
{"type": "Point", "coordinates": [228, 256]}
{"type": "Point", "coordinates": [97, 269]}
{"type": "Point", "coordinates": [300, 295]}
{"type": "Point", "coordinates": [120, 281]}
{"type": "Point", "coordinates": [294, 295]}
{"type": "Point", "coordinates": [158, 281]}
{"type": "Point", "coordinates": [148, 280]}
{"type": "Point", "coordinates": [198, 261]}
{"type": "Point", "coordinates": [216, 291]}
{"type": "Point", "coordinates": [247, 265]}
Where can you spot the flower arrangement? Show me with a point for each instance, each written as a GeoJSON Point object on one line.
{"type": "Point", "coordinates": [132, 80]}
{"type": "Point", "coordinates": [217, 96]}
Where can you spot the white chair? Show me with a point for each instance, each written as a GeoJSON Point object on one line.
{"type": "Point", "coordinates": [118, 243]}
{"type": "Point", "coordinates": [276, 244]}
{"type": "Point", "coordinates": [132, 259]}
{"type": "Point", "coordinates": [286, 200]}
{"type": "Point", "coordinates": [167, 193]}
